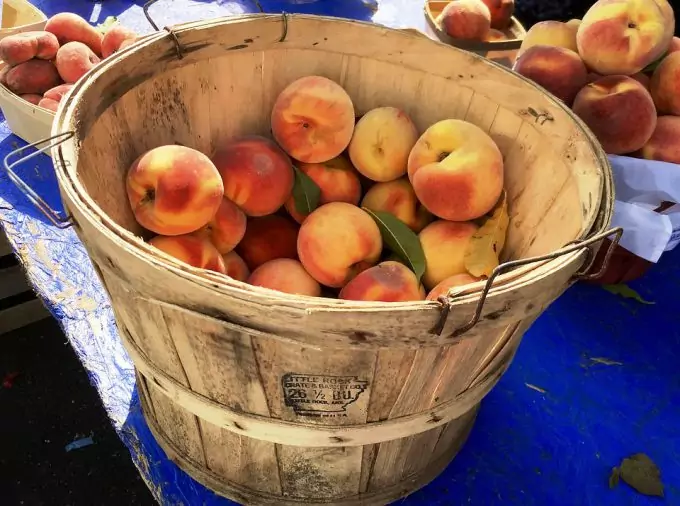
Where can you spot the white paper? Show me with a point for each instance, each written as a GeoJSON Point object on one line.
{"type": "Point", "coordinates": [641, 186]}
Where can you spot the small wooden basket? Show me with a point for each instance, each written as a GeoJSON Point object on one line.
{"type": "Point", "coordinates": [28, 121]}
{"type": "Point", "coordinates": [503, 51]}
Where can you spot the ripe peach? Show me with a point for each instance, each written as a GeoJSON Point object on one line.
{"type": "Point", "coordinates": [58, 92]}
{"type": "Point", "coordinates": [313, 119]}
{"type": "Point", "coordinates": [285, 275]}
{"type": "Point", "coordinates": [675, 45]}
{"type": "Point", "coordinates": [382, 140]}
{"type": "Point", "coordinates": [664, 145]}
{"type": "Point", "coordinates": [575, 23]}
{"type": "Point", "coordinates": [619, 111]}
{"type": "Point", "coordinates": [385, 282]}
{"type": "Point", "coordinates": [643, 79]}
{"type": "Point", "coordinates": [32, 98]}
{"type": "Point", "coordinates": [48, 103]}
{"type": "Point", "coordinates": [235, 267]}
{"type": "Point", "coordinates": [174, 190]}
{"type": "Point", "coordinates": [73, 60]}
{"type": "Point", "coordinates": [21, 47]}
{"type": "Point", "coordinates": [267, 238]}
{"type": "Point", "coordinates": [69, 27]}
{"type": "Point", "coordinates": [226, 229]}
{"type": "Point", "coordinates": [338, 241]}
{"type": "Point", "coordinates": [33, 77]}
{"type": "Point", "coordinates": [114, 39]}
{"type": "Point", "coordinates": [258, 176]}
{"type": "Point", "coordinates": [501, 11]}
{"type": "Point", "coordinates": [191, 249]}
{"type": "Point", "coordinates": [337, 180]}
{"type": "Point", "coordinates": [456, 170]}
{"type": "Point", "coordinates": [624, 36]}
{"type": "Point", "coordinates": [466, 20]}
{"type": "Point", "coordinates": [442, 288]}
{"type": "Point", "coordinates": [560, 71]}
{"type": "Point", "coordinates": [665, 85]}
{"type": "Point", "coordinates": [444, 244]}
{"type": "Point", "coordinates": [398, 198]}
{"type": "Point", "coordinates": [550, 33]}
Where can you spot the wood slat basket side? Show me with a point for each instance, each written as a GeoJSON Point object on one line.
{"type": "Point", "coordinates": [270, 398]}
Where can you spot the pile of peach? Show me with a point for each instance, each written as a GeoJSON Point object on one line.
{"type": "Point", "coordinates": [41, 66]}
{"type": "Point", "coordinates": [333, 206]}
{"type": "Point", "coordinates": [618, 69]}
{"type": "Point", "coordinates": [480, 20]}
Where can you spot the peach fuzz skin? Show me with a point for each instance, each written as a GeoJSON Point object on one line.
{"type": "Point", "coordinates": [620, 112]}
{"type": "Point", "coordinates": [456, 170]}
{"type": "Point", "coordinates": [664, 145]}
{"type": "Point", "coordinates": [665, 85]}
{"type": "Point", "coordinates": [267, 238]}
{"type": "Point", "coordinates": [624, 36]}
{"type": "Point", "coordinates": [313, 119]}
{"type": "Point", "coordinates": [336, 242]}
{"type": "Point", "coordinates": [466, 20]}
{"type": "Point", "coordinates": [192, 250]}
{"type": "Point", "coordinates": [398, 198]}
{"type": "Point", "coordinates": [381, 143]}
{"type": "Point", "coordinates": [444, 244]}
{"type": "Point", "coordinates": [443, 288]}
{"type": "Point", "coordinates": [285, 275]}
{"type": "Point", "coordinates": [337, 181]}
{"type": "Point", "coordinates": [235, 267]}
{"type": "Point", "coordinates": [550, 33]}
{"type": "Point", "coordinates": [560, 71]}
{"type": "Point", "coordinates": [173, 190]}
{"type": "Point", "coordinates": [501, 11]}
{"type": "Point", "coordinates": [258, 175]}
{"type": "Point", "coordinates": [226, 229]}
{"type": "Point", "coordinates": [385, 282]}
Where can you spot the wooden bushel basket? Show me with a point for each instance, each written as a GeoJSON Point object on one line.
{"type": "Point", "coordinates": [270, 398]}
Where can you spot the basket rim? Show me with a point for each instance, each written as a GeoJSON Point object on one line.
{"type": "Point", "coordinates": [65, 121]}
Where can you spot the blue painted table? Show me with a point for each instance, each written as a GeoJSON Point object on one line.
{"type": "Point", "coordinates": [595, 380]}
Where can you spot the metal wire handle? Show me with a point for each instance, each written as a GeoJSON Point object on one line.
{"type": "Point", "coordinates": [54, 216]}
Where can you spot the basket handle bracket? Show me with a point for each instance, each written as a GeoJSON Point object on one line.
{"type": "Point", "coordinates": [447, 300]}
{"type": "Point", "coordinates": [52, 215]}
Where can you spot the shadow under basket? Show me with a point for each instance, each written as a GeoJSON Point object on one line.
{"type": "Point", "coordinates": [271, 398]}
{"type": "Point", "coordinates": [500, 51]}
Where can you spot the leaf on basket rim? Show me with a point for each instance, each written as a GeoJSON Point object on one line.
{"type": "Point", "coordinates": [104, 26]}
{"type": "Point", "coordinates": [487, 243]}
{"type": "Point", "coordinates": [306, 193]}
{"type": "Point", "coordinates": [401, 240]}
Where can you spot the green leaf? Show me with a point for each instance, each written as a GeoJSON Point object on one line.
{"type": "Point", "coordinates": [626, 292]}
{"type": "Point", "coordinates": [306, 193]}
{"type": "Point", "coordinates": [107, 24]}
{"type": "Point", "coordinates": [639, 472]}
{"type": "Point", "coordinates": [400, 239]}
{"type": "Point", "coordinates": [652, 66]}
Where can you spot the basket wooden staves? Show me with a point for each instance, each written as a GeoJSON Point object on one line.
{"type": "Point", "coordinates": [270, 398]}
{"type": "Point", "coordinates": [500, 51]}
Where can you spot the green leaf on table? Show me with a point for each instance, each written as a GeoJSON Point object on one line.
{"type": "Point", "coordinates": [107, 24]}
{"type": "Point", "coordinates": [626, 292]}
{"type": "Point", "coordinates": [401, 240]}
{"type": "Point", "coordinates": [639, 472]}
{"type": "Point", "coordinates": [306, 193]}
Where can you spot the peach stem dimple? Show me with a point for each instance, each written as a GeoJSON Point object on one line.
{"type": "Point", "coordinates": [149, 196]}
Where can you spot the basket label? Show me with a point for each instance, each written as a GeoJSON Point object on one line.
{"type": "Point", "coordinates": [321, 396]}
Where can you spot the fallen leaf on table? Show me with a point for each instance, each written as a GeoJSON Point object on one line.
{"type": "Point", "coordinates": [306, 193]}
{"type": "Point", "coordinates": [483, 252]}
{"type": "Point", "coordinates": [400, 239]}
{"type": "Point", "coordinates": [639, 472]}
{"type": "Point", "coordinates": [626, 292]}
